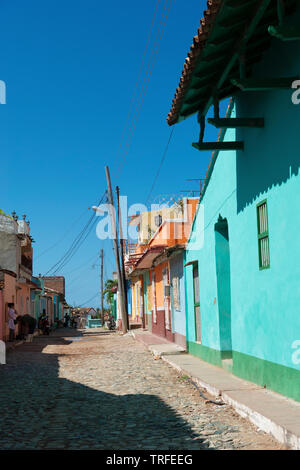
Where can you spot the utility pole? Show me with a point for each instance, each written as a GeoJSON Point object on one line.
{"type": "Point", "coordinates": [122, 254]}
{"type": "Point", "coordinates": [116, 250]}
{"type": "Point", "coordinates": [101, 281]}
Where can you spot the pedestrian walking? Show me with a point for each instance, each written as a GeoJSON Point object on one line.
{"type": "Point", "coordinates": [12, 320]}
{"type": "Point", "coordinates": [40, 321]}
{"type": "Point", "coordinates": [67, 319]}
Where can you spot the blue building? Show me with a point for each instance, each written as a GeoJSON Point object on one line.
{"type": "Point", "coordinates": [178, 322]}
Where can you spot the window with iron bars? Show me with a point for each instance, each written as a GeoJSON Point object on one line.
{"type": "Point", "coordinates": [263, 235]}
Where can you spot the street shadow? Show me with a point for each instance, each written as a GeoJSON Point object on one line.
{"type": "Point", "coordinates": [62, 332]}
{"type": "Point", "coordinates": [41, 410]}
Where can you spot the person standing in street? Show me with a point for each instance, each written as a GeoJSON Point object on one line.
{"type": "Point", "coordinates": [67, 319]}
{"type": "Point", "coordinates": [12, 316]}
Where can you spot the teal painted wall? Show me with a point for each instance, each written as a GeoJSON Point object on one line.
{"type": "Point", "coordinates": [36, 297]}
{"type": "Point", "coordinates": [265, 320]}
{"type": "Point", "coordinates": [268, 169]}
{"type": "Point", "coordinates": [220, 198]}
{"type": "Point", "coordinates": [56, 307]}
{"type": "Point", "coordinates": [114, 307]}
{"type": "Point", "coordinates": [222, 253]}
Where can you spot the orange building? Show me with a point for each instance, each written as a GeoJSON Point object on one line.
{"type": "Point", "coordinates": [154, 288]}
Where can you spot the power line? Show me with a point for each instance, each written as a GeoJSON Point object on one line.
{"type": "Point", "coordinates": [80, 276]}
{"type": "Point", "coordinates": [76, 243]}
{"type": "Point", "coordinates": [161, 164]}
{"type": "Point", "coordinates": [63, 237]}
{"type": "Point", "coordinates": [80, 240]}
{"type": "Point", "coordinates": [82, 265]}
{"type": "Point", "coordinates": [137, 83]}
{"type": "Point", "coordinates": [145, 84]}
{"type": "Point", "coordinates": [69, 251]}
{"type": "Point", "coordinates": [76, 247]}
{"type": "Point", "coordinates": [88, 301]}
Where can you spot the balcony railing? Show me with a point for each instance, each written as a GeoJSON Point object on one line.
{"type": "Point", "coordinates": [130, 248]}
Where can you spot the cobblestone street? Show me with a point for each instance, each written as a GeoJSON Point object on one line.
{"type": "Point", "coordinates": [101, 390]}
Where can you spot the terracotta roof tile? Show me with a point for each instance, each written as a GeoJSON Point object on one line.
{"type": "Point", "coordinates": [192, 56]}
{"type": "Point", "coordinates": [223, 26]}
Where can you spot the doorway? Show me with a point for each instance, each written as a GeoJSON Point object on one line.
{"type": "Point", "coordinates": [166, 298]}
{"type": "Point", "coordinates": [197, 312]}
{"type": "Point", "coordinates": [222, 252]}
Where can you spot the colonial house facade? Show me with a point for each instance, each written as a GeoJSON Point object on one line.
{"type": "Point", "coordinates": [241, 269]}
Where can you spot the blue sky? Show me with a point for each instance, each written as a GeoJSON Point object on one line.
{"type": "Point", "coordinates": [70, 67]}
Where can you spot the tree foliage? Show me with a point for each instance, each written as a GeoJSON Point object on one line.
{"type": "Point", "coordinates": [109, 285]}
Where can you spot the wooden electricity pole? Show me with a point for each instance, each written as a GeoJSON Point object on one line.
{"type": "Point", "coordinates": [122, 254]}
{"type": "Point", "coordinates": [116, 250]}
{"type": "Point", "coordinates": [101, 280]}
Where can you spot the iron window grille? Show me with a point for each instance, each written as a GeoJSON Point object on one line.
{"type": "Point", "coordinates": [263, 235]}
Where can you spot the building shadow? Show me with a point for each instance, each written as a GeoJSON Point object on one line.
{"type": "Point", "coordinates": [271, 156]}
{"type": "Point", "coordinates": [266, 162]}
{"type": "Point", "coordinates": [41, 410]}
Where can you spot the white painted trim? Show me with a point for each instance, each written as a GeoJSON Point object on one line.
{"type": "Point", "coordinates": [2, 352]}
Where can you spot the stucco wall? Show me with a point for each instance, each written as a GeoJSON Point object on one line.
{"type": "Point", "coordinates": [9, 295]}
{"type": "Point", "coordinates": [10, 252]}
{"type": "Point", "coordinates": [1, 315]}
{"type": "Point", "coordinates": [220, 198]}
{"type": "Point", "coordinates": [56, 283]}
{"type": "Point", "coordinates": [265, 320]}
{"type": "Point", "coordinates": [178, 314]}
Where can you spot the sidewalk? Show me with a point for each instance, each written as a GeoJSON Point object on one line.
{"type": "Point", "coordinates": [269, 411]}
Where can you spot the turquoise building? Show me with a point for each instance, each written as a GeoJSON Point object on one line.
{"type": "Point", "coordinates": [242, 275]}
{"type": "Point", "coordinates": [129, 299]}
{"type": "Point", "coordinates": [36, 297]}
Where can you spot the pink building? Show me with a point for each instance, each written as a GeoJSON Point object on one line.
{"type": "Point", "coordinates": [8, 294]}
{"type": "Point", "coordinates": [15, 269]}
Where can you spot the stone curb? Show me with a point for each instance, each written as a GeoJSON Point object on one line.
{"type": "Point", "coordinates": [281, 433]}
{"type": "Point", "coordinates": [278, 431]}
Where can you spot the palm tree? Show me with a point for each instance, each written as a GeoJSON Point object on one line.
{"type": "Point", "coordinates": [109, 286]}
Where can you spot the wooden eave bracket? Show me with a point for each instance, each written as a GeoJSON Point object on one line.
{"type": "Point", "coordinates": [233, 123]}
{"type": "Point", "coordinates": [230, 145]}
{"type": "Point", "coordinates": [285, 33]}
{"type": "Point", "coordinates": [264, 84]}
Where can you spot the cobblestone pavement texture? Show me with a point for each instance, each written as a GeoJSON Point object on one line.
{"type": "Point", "coordinates": [106, 391]}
